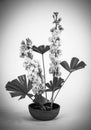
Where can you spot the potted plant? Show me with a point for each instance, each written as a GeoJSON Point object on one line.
{"type": "Point", "coordinates": [34, 85]}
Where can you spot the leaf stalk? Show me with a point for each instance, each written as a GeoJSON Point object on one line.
{"type": "Point", "coordinates": [62, 85]}
{"type": "Point", "coordinates": [44, 74]}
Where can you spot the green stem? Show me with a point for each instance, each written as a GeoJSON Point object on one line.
{"type": "Point", "coordinates": [52, 99]}
{"type": "Point", "coordinates": [62, 85]}
{"type": "Point", "coordinates": [30, 97]}
{"type": "Point", "coordinates": [44, 73]}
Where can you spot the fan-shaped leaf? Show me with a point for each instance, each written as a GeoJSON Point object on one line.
{"type": "Point", "coordinates": [48, 90]}
{"type": "Point", "coordinates": [14, 94]}
{"type": "Point", "coordinates": [73, 62]}
{"type": "Point", "coordinates": [23, 81]}
{"type": "Point", "coordinates": [41, 49]}
{"type": "Point", "coordinates": [51, 83]}
{"type": "Point", "coordinates": [55, 79]}
{"type": "Point", "coordinates": [19, 87]}
{"type": "Point", "coordinates": [60, 81]}
{"type": "Point", "coordinates": [36, 49]}
{"type": "Point", "coordinates": [15, 85]}
{"type": "Point", "coordinates": [65, 65]}
{"type": "Point", "coordinates": [56, 84]}
{"type": "Point", "coordinates": [23, 96]}
{"type": "Point", "coordinates": [80, 65]}
{"type": "Point", "coordinates": [10, 87]}
{"type": "Point", "coordinates": [48, 85]}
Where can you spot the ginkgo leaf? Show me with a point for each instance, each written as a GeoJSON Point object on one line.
{"type": "Point", "coordinates": [41, 49]}
{"type": "Point", "coordinates": [19, 87]}
{"type": "Point", "coordinates": [65, 65]}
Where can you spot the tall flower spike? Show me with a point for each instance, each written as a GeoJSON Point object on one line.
{"type": "Point", "coordinates": [55, 51]}
{"type": "Point", "coordinates": [56, 20]}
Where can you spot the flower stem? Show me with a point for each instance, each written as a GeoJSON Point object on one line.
{"type": "Point", "coordinates": [44, 73]}
{"type": "Point", "coordinates": [62, 85]}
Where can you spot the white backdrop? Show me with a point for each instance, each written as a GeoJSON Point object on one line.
{"type": "Point", "coordinates": [33, 18]}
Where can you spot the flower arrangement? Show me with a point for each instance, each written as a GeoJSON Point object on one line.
{"type": "Point", "coordinates": [34, 85]}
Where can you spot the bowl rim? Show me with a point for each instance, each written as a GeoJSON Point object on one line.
{"type": "Point", "coordinates": [30, 106]}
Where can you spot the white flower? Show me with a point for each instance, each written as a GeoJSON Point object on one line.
{"type": "Point", "coordinates": [38, 88]}
{"type": "Point", "coordinates": [35, 88]}
{"type": "Point", "coordinates": [54, 58]}
{"type": "Point", "coordinates": [22, 49]}
{"type": "Point", "coordinates": [26, 49]}
{"type": "Point", "coordinates": [29, 43]}
{"type": "Point", "coordinates": [33, 77]}
{"type": "Point", "coordinates": [36, 63]}
{"type": "Point", "coordinates": [31, 64]}
{"type": "Point", "coordinates": [56, 32]}
{"type": "Point", "coordinates": [53, 47]}
{"type": "Point", "coordinates": [37, 79]}
{"type": "Point", "coordinates": [52, 39]}
{"type": "Point", "coordinates": [58, 42]}
{"type": "Point", "coordinates": [27, 63]}
{"type": "Point", "coordinates": [55, 69]}
{"type": "Point", "coordinates": [55, 50]}
{"type": "Point", "coordinates": [42, 88]}
{"type": "Point", "coordinates": [51, 70]}
{"type": "Point", "coordinates": [34, 71]}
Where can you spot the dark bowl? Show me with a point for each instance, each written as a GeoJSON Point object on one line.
{"type": "Point", "coordinates": [44, 115]}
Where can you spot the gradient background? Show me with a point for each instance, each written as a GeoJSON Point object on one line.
{"type": "Point", "coordinates": [20, 19]}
